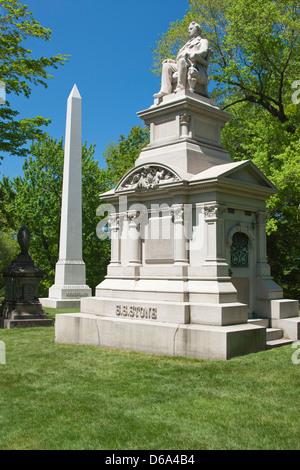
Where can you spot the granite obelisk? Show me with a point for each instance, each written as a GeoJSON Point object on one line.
{"type": "Point", "coordinates": [70, 281]}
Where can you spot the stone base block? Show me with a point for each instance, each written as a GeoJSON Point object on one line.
{"type": "Point", "coordinates": [170, 312]}
{"type": "Point", "coordinates": [290, 327]}
{"type": "Point", "coordinates": [23, 314]}
{"type": "Point", "coordinates": [28, 323]}
{"type": "Point", "coordinates": [72, 292]}
{"type": "Point", "coordinates": [284, 308]}
{"type": "Point", "coordinates": [219, 314]}
{"type": "Point", "coordinates": [195, 341]}
{"type": "Point", "coordinates": [174, 312]}
{"type": "Point", "coordinates": [60, 303]}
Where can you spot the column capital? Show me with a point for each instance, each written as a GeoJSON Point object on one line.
{"type": "Point", "coordinates": [178, 212]}
{"type": "Point", "coordinates": [261, 217]}
{"type": "Point", "coordinates": [214, 211]}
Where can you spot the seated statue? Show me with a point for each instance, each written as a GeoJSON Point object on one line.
{"type": "Point", "coordinates": [189, 70]}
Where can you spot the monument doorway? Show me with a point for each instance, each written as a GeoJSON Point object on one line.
{"type": "Point", "coordinates": [242, 269]}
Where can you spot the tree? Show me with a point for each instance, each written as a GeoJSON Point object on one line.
{"type": "Point", "coordinates": [36, 202]}
{"type": "Point", "coordinates": [9, 248]}
{"type": "Point", "coordinates": [19, 70]}
{"type": "Point", "coordinates": [121, 157]}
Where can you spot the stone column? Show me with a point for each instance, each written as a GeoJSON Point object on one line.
{"type": "Point", "coordinates": [262, 266]}
{"type": "Point", "coordinates": [180, 251]}
{"type": "Point", "coordinates": [184, 124]}
{"type": "Point", "coordinates": [114, 222]}
{"type": "Point", "coordinates": [134, 242]}
{"type": "Point", "coordinates": [215, 239]}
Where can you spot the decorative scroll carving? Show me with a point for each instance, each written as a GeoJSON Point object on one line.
{"type": "Point", "coordinates": [185, 119]}
{"type": "Point", "coordinates": [148, 177]}
{"type": "Point", "coordinates": [114, 222]}
{"type": "Point", "coordinates": [214, 211]}
{"type": "Point", "coordinates": [178, 213]}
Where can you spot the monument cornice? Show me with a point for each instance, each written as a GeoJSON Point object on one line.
{"type": "Point", "coordinates": [183, 102]}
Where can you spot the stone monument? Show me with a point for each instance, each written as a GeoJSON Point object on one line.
{"type": "Point", "coordinates": [188, 273]}
{"type": "Point", "coordinates": [21, 307]}
{"type": "Point", "coordinates": [190, 67]}
{"type": "Point", "coordinates": [70, 282]}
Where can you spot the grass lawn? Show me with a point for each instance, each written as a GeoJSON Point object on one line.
{"type": "Point", "coordinates": [60, 396]}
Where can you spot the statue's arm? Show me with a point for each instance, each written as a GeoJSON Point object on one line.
{"type": "Point", "coordinates": [200, 53]}
{"type": "Point", "coordinates": [169, 61]}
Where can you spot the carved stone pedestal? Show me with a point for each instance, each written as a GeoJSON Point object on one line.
{"type": "Point", "coordinates": [21, 307]}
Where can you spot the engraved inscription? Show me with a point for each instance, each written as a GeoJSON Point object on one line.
{"type": "Point", "coordinates": [133, 311]}
{"type": "Point", "coordinates": [75, 295]}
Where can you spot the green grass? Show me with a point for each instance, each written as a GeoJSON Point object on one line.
{"type": "Point", "coordinates": [60, 396]}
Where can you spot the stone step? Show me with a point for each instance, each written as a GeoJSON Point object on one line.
{"type": "Point", "coordinates": [38, 322]}
{"type": "Point", "coordinates": [276, 343]}
{"type": "Point", "coordinates": [274, 333]}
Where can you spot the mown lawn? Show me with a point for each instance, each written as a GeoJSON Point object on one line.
{"type": "Point", "coordinates": [60, 396]}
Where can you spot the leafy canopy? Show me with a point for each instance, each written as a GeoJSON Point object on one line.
{"type": "Point", "coordinates": [19, 71]}
{"type": "Point", "coordinates": [120, 157]}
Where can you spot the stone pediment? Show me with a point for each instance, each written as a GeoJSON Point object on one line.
{"type": "Point", "coordinates": [147, 177]}
{"type": "Point", "coordinates": [243, 175]}
{"type": "Point", "coordinates": [244, 172]}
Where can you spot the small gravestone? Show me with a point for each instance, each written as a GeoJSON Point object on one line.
{"type": "Point", "coordinates": [21, 307]}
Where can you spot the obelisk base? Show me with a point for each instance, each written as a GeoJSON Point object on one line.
{"type": "Point", "coordinates": [66, 296]}
{"type": "Point", "coordinates": [69, 286]}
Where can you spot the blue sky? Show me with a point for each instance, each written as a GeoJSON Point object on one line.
{"type": "Point", "coordinates": [110, 47]}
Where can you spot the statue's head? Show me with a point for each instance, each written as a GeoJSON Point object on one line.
{"type": "Point", "coordinates": [194, 29]}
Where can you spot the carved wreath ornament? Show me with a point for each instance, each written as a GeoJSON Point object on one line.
{"type": "Point", "coordinates": [148, 177]}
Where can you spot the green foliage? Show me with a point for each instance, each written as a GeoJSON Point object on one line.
{"type": "Point", "coordinates": [9, 248]}
{"type": "Point", "coordinates": [19, 71]}
{"type": "Point", "coordinates": [121, 157]}
{"type": "Point", "coordinates": [36, 202]}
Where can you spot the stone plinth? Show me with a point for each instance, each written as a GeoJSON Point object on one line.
{"type": "Point", "coordinates": [171, 339]}
{"type": "Point", "coordinates": [185, 133]}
